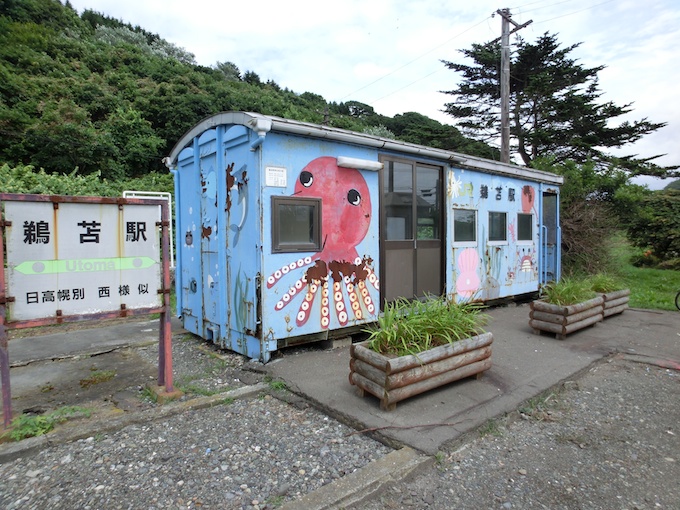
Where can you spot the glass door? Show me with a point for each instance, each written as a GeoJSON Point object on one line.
{"type": "Point", "coordinates": [550, 239]}
{"type": "Point", "coordinates": [411, 230]}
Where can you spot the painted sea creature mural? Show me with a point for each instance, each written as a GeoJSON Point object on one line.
{"type": "Point", "coordinates": [526, 268]}
{"type": "Point", "coordinates": [528, 197]}
{"type": "Point", "coordinates": [467, 281]}
{"type": "Point", "coordinates": [337, 270]}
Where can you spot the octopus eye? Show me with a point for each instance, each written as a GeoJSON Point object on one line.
{"type": "Point", "coordinates": [306, 179]}
{"type": "Point", "coordinates": [353, 197]}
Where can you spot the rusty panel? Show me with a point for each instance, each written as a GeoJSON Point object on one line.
{"type": "Point", "coordinates": [428, 270]}
{"type": "Point", "coordinates": [398, 265]}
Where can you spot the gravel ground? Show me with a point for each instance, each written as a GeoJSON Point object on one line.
{"type": "Point", "coordinates": [251, 453]}
{"type": "Point", "coordinates": [610, 440]}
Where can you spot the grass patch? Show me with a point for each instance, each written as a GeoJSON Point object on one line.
{"type": "Point", "coordinates": [199, 390]}
{"type": "Point", "coordinates": [604, 282]}
{"type": "Point", "coordinates": [276, 501]}
{"type": "Point", "coordinates": [541, 407]}
{"type": "Point", "coordinates": [650, 288]}
{"type": "Point", "coordinates": [27, 425]}
{"type": "Point", "coordinates": [149, 395]}
{"type": "Point", "coordinates": [490, 428]}
{"type": "Point", "coordinates": [97, 377]}
{"type": "Point", "coordinates": [277, 385]}
{"type": "Point", "coordinates": [413, 326]}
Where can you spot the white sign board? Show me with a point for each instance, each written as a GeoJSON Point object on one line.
{"type": "Point", "coordinates": [276, 177]}
{"type": "Point", "coordinates": [81, 258]}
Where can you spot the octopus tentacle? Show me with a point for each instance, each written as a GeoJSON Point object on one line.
{"type": "Point", "coordinates": [292, 292]}
{"type": "Point", "coordinates": [306, 305]}
{"type": "Point", "coordinates": [280, 273]}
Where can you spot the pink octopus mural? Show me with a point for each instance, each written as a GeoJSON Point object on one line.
{"type": "Point", "coordinates": [346, 217]}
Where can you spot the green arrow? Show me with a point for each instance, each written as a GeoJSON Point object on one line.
{"type": "Point", "coordinates": [84, 265]}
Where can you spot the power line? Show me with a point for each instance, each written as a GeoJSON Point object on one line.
{"type": "Point", "coordinates": [405, 86]}
{"type": "Point", "coordinates": [576, 12]}
{"type": "Point", "coordinates": [458, 35]}
{"type": "Point", "coordinates": [557, 3]}
{"type": "Point", "coordinates": [411, 62]}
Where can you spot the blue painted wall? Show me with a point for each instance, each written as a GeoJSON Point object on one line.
{"type": "Point", "coordinates": [295, 300]}
{"type": "Point", "coordinates": [487, 270]}
{"type": "Point", "coordinates": [236, 291]}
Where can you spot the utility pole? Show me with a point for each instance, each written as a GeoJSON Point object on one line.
{"type": "Point", "coordinates": [505, 79]}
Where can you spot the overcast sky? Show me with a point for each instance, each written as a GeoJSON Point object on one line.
{"type": "Point", "coordinates": [386, 53]}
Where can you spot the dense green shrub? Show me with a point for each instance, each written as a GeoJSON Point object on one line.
{"type": "Point", "coordinates": [26, 179]}
{"type": "Point", "coordinates": [657, 226]}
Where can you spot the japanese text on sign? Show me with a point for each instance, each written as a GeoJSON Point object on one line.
{"type": "Point", "coordinates": [117, 246]}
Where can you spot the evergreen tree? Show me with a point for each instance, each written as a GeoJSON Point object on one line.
{"type": "Point", "coordinates": [554, 108]}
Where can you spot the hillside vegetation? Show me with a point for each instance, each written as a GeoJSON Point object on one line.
{"type": "Point", "coordinates": [95, 95]}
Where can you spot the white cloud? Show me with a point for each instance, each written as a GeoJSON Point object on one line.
{"type": "Point", "coordinates": [340, 50]}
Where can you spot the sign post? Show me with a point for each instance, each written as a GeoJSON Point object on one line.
{"type": "Point", "coordinates": [68, 259]}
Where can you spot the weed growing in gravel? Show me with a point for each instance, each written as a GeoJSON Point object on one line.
{"type": "Point", "coordinates": [276, 501]}
{"type": "Point", "coordinates": [96, 377]}
{"type": "Point", "coordinates": [278, 385]}
{"type": "Point", "coordinates": [26, 425]}
{"type": "Point", "coordinates": [149, 395]}
{"type": "Point", "coordinates": [199, 390]}
{"type": "Point", "coordinates": [577, 439]}
{"type": "Point", "coordinates": [540, 407]}
{"type": "Point", "coordinates": [490, 428]}
{"type": "Point", "coordinates": [439, 459]}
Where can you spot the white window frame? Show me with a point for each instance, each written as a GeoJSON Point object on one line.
{"type": "Point", "coordinates": [465, 244]}
{"type": "Point", "coordinates": [531, 239]}
{"type": "Point", "coordinates": [497, 242]}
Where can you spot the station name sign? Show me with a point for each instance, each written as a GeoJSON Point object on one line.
{"type": "Point", "coordinates": [81, 258]}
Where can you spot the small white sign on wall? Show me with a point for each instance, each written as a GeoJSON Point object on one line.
{"type": "Point", "coordinates": [276, 176]}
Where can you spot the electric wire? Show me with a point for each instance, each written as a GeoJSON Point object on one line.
{"type": "Point", "coordinates": [414, 60]}
{"type": "Point", "coordinates": [371, 103]}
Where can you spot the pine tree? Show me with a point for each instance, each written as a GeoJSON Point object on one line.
{"type": "Point", "coordinates": [554, 108]}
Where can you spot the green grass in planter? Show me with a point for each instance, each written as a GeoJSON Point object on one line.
{"type": "Point", "coordinates": [410, 327]}
{"type": "Point", "coordinates": [568, 291]}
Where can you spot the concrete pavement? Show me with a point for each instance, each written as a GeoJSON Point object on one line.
{"type": "Point", "coordinates": [524, 365]}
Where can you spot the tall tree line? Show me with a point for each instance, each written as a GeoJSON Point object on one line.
{"type": "Point", "coordinates": [99, 95]}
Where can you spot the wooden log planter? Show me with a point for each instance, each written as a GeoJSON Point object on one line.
{"type": "Point", "coordinates": [615, 302]}
{"type": "Point", "coordinates": [392, 379]}
{"type": "Point", "coordinates": [563, 320]}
